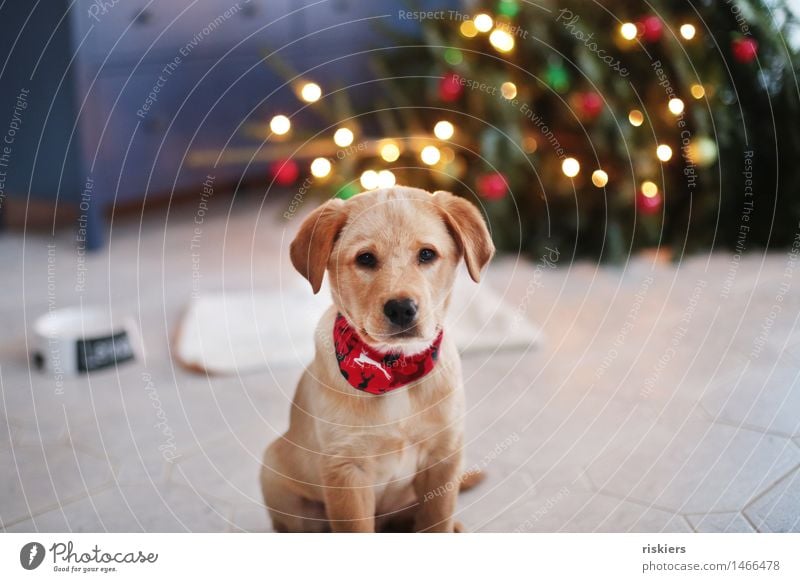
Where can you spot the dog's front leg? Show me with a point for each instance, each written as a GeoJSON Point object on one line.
{"type": "Point", "coordinates": [349, 496]}
{"type": "Point", "coordinates": [437, 487]}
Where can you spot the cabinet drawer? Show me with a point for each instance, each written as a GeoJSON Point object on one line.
{"type": "Point", "coordinates": [160, 30]}
{"type": "Point", "coordinates": [341, 27]}
{"type": "Point", "coordinates": [201, 106]}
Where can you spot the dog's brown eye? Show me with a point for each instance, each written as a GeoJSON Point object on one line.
{"type": "Point", "coordinates": [426, 255]}
{"type": "Point", "coordinates": [366, 260]}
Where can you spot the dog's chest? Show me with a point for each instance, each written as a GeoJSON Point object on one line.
{"type": "Point", "coordinates": [394, 476]}
{"type": "Point", "coordinates": [404, 442]}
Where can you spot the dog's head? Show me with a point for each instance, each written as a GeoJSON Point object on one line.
{"type": "Point", "coordinates": [391, 256]}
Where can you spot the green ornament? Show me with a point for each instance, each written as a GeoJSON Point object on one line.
{"type": "Point", "coordinates": [347, 191]}
{"type": "Point", "coordinates": [557, 77]}
{"type": "Point", "coordinates": [508, 8]}
{"type": "Point", "coordinates": [453, 56]}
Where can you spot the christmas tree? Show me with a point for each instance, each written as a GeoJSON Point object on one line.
{"type": "Point", "coordinates": [600, 129]}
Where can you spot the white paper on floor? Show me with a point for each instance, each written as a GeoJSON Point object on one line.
{"type": "Point", "coordinates": [242, 331]}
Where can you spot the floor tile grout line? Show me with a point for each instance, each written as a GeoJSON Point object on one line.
{"type": "Point", "coordinates": [61, 504]}
{"type": "Point", "coordinates": [747, 427]}
{"type": "Point", "coordinates": [689, 523]}
{"type": "Point", "coordinates": [640, 502]}
{"type": "Point", "coordinates": [770, 487]}
{"type": "Point", "coordinates": [749, 521]}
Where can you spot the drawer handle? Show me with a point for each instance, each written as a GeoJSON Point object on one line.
{"type": "Point", "coordinates": [143, 18]}
{"type": "Point", "coordinates": [153, 124]}
{"type": "Point", "coordinates": [249, 10]}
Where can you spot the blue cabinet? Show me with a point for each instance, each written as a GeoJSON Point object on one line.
{"type": "Point", "coordinates": [138, 85]}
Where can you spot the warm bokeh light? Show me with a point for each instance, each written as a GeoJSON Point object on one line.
{"type": "Point", "coordinates": [444, 130]}
{"type": "Point", "coordinates": [570, 167]}
{"type": "Point", "coordinates": [529, 144]}
{"type": "Point", "coordinates": [675, 106]}
{"type": "Point", "coordinates": [599, 178]}
{"type": "Point", "coordinates": [508, 90]}
{"type": "Point", "coordinates": [320, 167]}
{"type": "Point", "coordinates": [698, 91]}
{"type": "Point", "coordinates": [310, 92]}
{"type": "Point", "coordinates": [688, 31]}
{"type": "Point", "coordinates": [280, 125]}
{"type": "Point", "coordinates": [664, 153]}
{"type": "Point", "coordinates": [483, 22]}
{"type": "Point", "coordinates": [628, 30]}
{"type": "Point", "coordinates": [370, 180]}
{"type": "Point", "coordinates": [430, 155]}
{"type": "Point", "coordinates": [390, 152]}
{"type": "Point", "coordinates": [636, 117]}
{"type": "Point", "coordinates": [702, 151]}
{"type": "Point", "coordinates": [386, 179]}
{"type": "Point", "coordinates": [649, 189]}
{"type": "Point", "coordinates": [501, 40]}
{"type": "Point", "coordinates": [468, 29]}
{"type": "Point", "coordinates": [343, 137]}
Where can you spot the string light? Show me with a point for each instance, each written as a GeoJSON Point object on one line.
{"type": "Point", "coordinates": [702, 151]}
{"type": "Point", "coordinates": [430, 155]}
{"type": "Point", "coordinates": [628, 30]}
{"type": "Point", "coordinates": [370, 180]}
{"type": "Point", "coordinates": [280, 125]}
{"type": "Point", "coordinates": [468, 29]}
{"type": "Point", "coordinates": [310, 92]}
{"type": "Point", "coordinates": [675, 106]}
{"type": "Point", "coordinates": [501, 40]}
{"type": "Point", "coordinates": [320, 168]}
{"type": "Point", "coordinates": [570, 167]}
{"type": "Point", "coordinates": [343, 137]}
{"type": "Point", "coordinates": [483, 23]}
{"type": "Point", "coordinates": [529, 144]}
{"type": "Point", "coordinates": [386, 179]}
{"type": "Point", "coordinates": [664, 153]}
{"type": "Point", "coordinates": [599, 178]}
{"type": "Point", "coordinates": [390, 152]}
{"type": "Point", "coordinates": [649, 189]}
{"type": "Point", "coordinates": [508, 90]}
{"type": "Point", "coordinates": [688, 31]}
{"type": "Point", "coordinates": [444, 130]}
{"type": "Point", "coordinates": [636, 117]}
{"type": "Point", "coordinates": [698, 91]}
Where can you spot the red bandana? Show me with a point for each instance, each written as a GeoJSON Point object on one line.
{"type": "Point", "coordinates": [371, 371]}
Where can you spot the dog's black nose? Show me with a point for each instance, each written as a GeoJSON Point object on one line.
{"type": "Point", "coordinates": [401, 312]}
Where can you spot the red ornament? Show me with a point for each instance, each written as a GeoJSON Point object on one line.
{"type": "Point", "coordinates": [450, 87]}
{"type": "Point", "coordinates": [651, 28]}
{"type": "Point", "coordinates": [492, 186]}
{"type": "Point", "coordinates": [285, 172]}
{"type": "Point", "coordinates": [745, 49]}
{"type": "Point", "coordinates": [591, 104]}
{"type": "Point", "coordinates": [648, 204]}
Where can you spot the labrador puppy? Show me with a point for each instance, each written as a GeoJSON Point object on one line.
{"type": "Point", "coordinates": [376, 427]}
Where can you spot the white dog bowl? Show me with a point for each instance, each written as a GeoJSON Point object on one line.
{"type": "Point", "coordinates": [73, 340]}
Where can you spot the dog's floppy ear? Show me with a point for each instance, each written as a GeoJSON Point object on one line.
{"type": "Point", "coordinates": [311, 248]}
{"type": "Point", "coordinates": [469, 231]}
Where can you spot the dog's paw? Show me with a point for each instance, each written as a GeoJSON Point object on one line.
{"type": "Point", "coordinates": [471, 478]}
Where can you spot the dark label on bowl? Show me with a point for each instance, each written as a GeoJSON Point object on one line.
{"type": "Point", "coordinates": [103, 352]}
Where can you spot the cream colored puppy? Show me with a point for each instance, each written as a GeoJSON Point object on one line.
{"type": "Point", "coordinates": [376, 427]}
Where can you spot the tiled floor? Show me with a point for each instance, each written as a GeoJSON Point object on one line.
{"type": "Point", "coordinates": [646, 408]}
